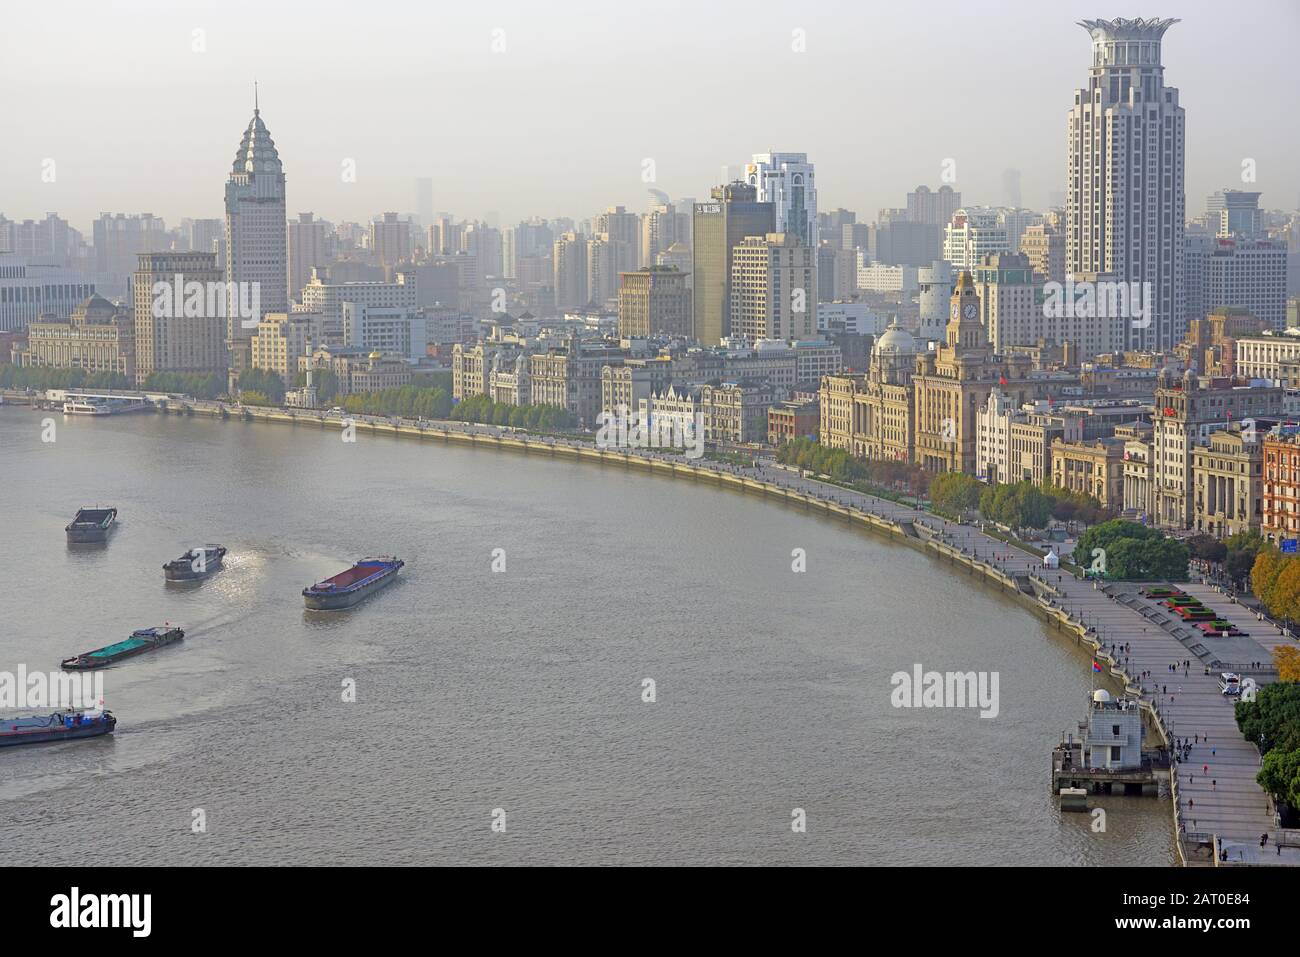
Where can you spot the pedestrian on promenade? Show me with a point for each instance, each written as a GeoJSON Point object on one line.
{"type": "Point", "coordinates": [1214, 784]}
{"type": "Point", "coordinates": [1205, 768]}
{"type": "Point", "coordinates": [1196, 739]}
{"type": "Point", "coordinates": [1213, 751]}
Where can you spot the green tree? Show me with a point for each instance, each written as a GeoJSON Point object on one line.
{"type": "Point", "coordinates": [955, 491]}
{"type": "Point", "coordinates": [1207, 548]}
{"type": "Point", "coordinates": [1134, 551]}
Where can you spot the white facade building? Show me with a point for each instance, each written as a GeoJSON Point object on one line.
{"type": "Point", "coordinates": [1125, 205]}
{"type": "Point", "coordinates": [880, 277]}
{"type": "Point", "coordinates": [934, 285]}
{"type": "Point", "coordinates": [855, 318]}
{"type": "Point", "coordinates": [1260, 357]}
{"type": "Point", "coordinates": [1250, 274]}
{"type": "Point", "coordinates": [387, 329]}
{"type": "Point", "coordinates": [993, 437]}
{"type": "Point", "coordinates": [328, 299]}
{"type": "Point", "coordinates": [787, 181]}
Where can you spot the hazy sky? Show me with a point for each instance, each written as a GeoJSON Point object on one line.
{"type": "Point", "coordinates": [559, 123]}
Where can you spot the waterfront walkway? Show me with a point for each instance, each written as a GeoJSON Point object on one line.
{"type": "Point", "coordinates": [1215, 787]}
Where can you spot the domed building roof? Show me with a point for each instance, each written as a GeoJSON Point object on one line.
{"type": "Point", "coordinates": [257, 152]}
{"type": "Point", "coordinates": [94, 308]}
{"type": "Point", "coordinates": [896, 341]}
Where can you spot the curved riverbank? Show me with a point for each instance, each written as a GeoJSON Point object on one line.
{"type": "Point", "coordinates": [1013, 571]}
{"type": "Point", "coordinates": [773, 687]}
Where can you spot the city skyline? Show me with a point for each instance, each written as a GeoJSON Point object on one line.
{"type": "Point", "coordinates": [840, 101]}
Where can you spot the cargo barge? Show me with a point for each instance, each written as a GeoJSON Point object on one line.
{"type": "Point", "coordinates": [91, 526]}
{"type": "Point", "coordinates": [59, 726]}
{"type": "Point", "coordinates": [141, 641]}
{"type": "Point", "coordinates": [196, 564]}
{"type": "Point", "coordinates": [349, 587]}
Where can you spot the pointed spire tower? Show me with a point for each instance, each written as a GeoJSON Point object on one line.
{"type": "Point", "coordinates": [256, 232]}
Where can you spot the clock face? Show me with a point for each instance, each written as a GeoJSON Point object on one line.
{"type": "Point", "coordinates": [971, 310]}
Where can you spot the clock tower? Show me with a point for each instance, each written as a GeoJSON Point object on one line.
{"type": "Point", "coordinates": [965, 331]}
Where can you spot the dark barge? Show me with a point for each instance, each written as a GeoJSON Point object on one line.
{"type": "Point", "coordinates": [91, 526]}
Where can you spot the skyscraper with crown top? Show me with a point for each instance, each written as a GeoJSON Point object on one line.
{"type": "Point", "coordinates": [256, 233]}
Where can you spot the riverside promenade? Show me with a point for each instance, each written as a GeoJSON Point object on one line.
{"type": "Point", "coordinates": [1216, 798]}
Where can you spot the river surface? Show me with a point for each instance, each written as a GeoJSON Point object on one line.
{"type": "Point", "coordinates": [518, 691]}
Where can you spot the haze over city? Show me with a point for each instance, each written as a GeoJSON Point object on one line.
{"type": "Point", "coordinates": [688, 434]}
{"type": "Point", "coordinates": [141, 113]}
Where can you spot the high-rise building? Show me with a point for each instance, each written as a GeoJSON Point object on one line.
{"type": "Point", "coordinates": [623, 231]}
{"type": "Point", "coordinates": [788, 182]}
{"type": "Point", "coordinates": [837, 273]}
{"type": "Point", "coordinates": [974, 233]}
{"type": "Point", "coordinates": [603, 267]}
{"type": "Point", "coordinates": [931, 207]}
{"type": "Point", "coordinates": [530, 239]}
{"type": "Point", "coordinates": [309, 248]}
{"type": "Point", "coordinates": [483, 242]}
{"type": "Point", "coordinates": [1125, 204]}
{"type": "Point", "coordinates": [390, 238]}
{"type": "Point", "coordinates": [897, 241]}
{"type": "Point", "coordinates": [660, 228]}
{"type": "Point", "coordinates": [49, 241]}
{"type": "Point", "coordinates": [569, 261]}
{"type": "Point", "coordinates": [256, 232]}
{"type": "Point", "coordinates": [204, 235]}
{"type": "Point", "coordinates": [1234, 213]}
{"type": "Point", "coordinates": [29, 291]}
{"type": "Point", "coordinates": [1015, 221]}
{"type": "Point", "coordinates": [1250, 273]}
{"type": "Point", "coordinates": [1045, 247]}
{"type": "Point", "coordinates": [773, 288]}
{"type": "Point", "coordinates": [182, 325]}
{"type": "Point", "coordinates": [1015, 313]}
{"type": "Point", "coordinates": [719, 226]}
{"type": "Point", "coordinates": [424, 199]}
{"type": "Point", "coordinates": [830, 225]}
{"type": "Point", "coordinates": [119, 239]}
{"type": "Point", "coordinates": [652, 301]}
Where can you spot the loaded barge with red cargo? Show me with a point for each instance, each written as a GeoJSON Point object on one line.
{"type": "Point", "coordinates": [60, 726]}
{"type": "Point", "coordinates": [349, 587]}
{"type": "Point", "coordinates": [91, 526]}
